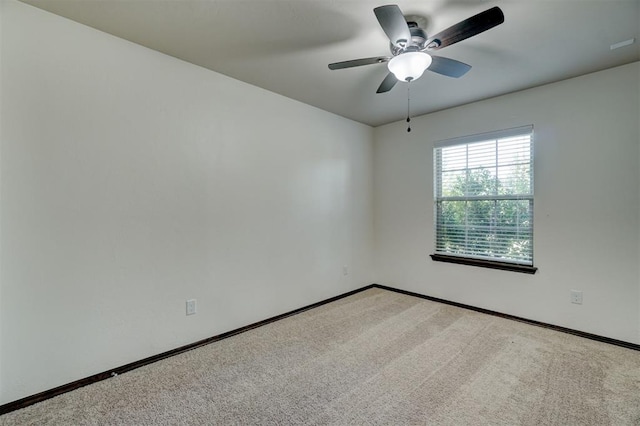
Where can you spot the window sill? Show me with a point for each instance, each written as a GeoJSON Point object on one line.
{"type": "Point", "coordinates": [514, 267]}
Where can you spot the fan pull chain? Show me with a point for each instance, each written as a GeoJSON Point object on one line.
{"type": "Point", "coordinates": [408, 105]}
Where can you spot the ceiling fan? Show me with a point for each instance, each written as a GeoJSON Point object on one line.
{"type": "Point", "coordinates": [410, 44]}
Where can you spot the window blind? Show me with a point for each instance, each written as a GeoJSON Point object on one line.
{"type": "Point", "coordinates": [483, 196]}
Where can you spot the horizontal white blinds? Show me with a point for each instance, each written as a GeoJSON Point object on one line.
{"type": "Point", "coordinates": [484, 196]}
{"type": "Point", "coordinates": [498, 134]}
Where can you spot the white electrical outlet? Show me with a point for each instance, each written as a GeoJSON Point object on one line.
{"type": "Point", "coordinates": [345, 270]}
{"type": "Point", "coordinates": [576, 297]}
{"type": "Point", "coordinates": [191, 307]}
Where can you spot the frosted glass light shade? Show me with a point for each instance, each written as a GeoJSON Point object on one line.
{"type": "Point", "coordinates": [409, 66]}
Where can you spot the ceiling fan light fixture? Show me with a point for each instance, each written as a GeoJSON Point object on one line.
{"type": "Point", "coordinates": [409, 66]}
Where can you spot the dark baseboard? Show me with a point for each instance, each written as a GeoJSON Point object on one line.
{"type": "Point", "coordinates": [584, 334]}
{"type": "Point", "coordinates": [33, 399]}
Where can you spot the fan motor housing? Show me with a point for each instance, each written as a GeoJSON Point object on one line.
{"type": "Point", "coordinates": [418, 40]}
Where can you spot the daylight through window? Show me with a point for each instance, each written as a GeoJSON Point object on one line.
{"type": "Point", "coordinates": [483, 196]}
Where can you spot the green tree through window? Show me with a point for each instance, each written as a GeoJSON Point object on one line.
{"type": "Point", "coordinates": [484, 197]}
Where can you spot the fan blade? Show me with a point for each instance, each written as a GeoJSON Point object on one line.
{"type": "Point", "coordinates": [477, 24]}
{"type": "Point", "coordinates": [448, 67]}
{"type": "Point", "coordinates": [393, 23]}
{"type": "Point", "coordinates": [387, 84]}
{"type": "Point", "coordinates": [358, 62]}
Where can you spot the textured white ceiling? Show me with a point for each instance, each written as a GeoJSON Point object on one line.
{"type": "Point", "coordinates": [285, 45]}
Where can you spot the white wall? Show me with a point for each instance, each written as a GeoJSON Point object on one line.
{"type": "Point", "coordinates": [587, 191]}
{"type": "Point", "coordinates": [132, 181]}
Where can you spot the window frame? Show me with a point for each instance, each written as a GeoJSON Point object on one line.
{"type": "Point", "coordinates": [471, 259]}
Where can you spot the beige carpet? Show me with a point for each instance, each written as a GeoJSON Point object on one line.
{"type": "Point", "coordinates": [377, 357]}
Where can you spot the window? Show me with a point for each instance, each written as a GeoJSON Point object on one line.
{"type": "Point", "coordinates": [483, 199]}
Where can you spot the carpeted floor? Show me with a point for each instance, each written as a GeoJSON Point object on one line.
{"type": "Point", "coordinates": [377, 357]}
